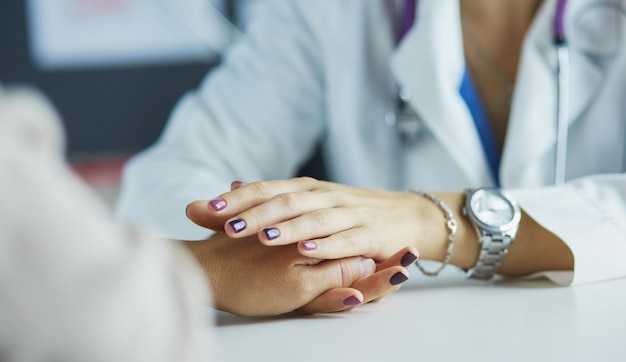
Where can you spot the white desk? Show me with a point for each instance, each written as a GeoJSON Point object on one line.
{"type": "Point", "coordinates": [447, 319]}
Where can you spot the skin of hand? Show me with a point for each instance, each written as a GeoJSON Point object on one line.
{"type": "Point", "coordinates": [326, 220]}
{"type": "Point", "coordinates": [252, 279]}
{"type": "Point", "coordinates": [329, 221]}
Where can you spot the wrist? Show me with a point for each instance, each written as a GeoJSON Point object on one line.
{"type": "Point", "coordinates": [211, 265]}
{"type": "Point", "coordinates": [433, 240]}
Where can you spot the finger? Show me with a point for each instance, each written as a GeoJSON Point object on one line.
{"type": "Point", "coordinates": [200, 213]}
{"type": "Point", "coordinates": [208, 216]}
{"type": "Point", "coordinates": [285, 207]}
{"type": "Point", "coordinates": [351, 242]}
{"type": "Point", "coordinates": [405, 257]}
{"type": "Point", "coordinates": [340, 273]}
{"type": "Point", "coordinates": [237, 184]}
{"type": "Point", "coordinates": [255, 193]}
{"type": "Point", "coordinates": [372, 288]}
{"type": "Point", "coordinates": [315, 224]}
{"type": "Point", "coordinates": [334, 300]}
{"type": "Point", "coordinates": [335, 275]}
{"type": "Point", "coordinates": [381, 283]}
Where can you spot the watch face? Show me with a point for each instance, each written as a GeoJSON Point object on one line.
{"type": "Point", "coordinates": [491, 208]}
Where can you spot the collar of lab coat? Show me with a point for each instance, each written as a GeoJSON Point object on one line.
{"type": "Point", "coordinates": [434, 47]}
{"type": "Point", "coordinates": [429, 64]}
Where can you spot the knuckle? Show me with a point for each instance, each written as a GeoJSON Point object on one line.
{"type": "Point", "coordinates": [307, 180]}
{"type": "Point", "coordinates": [308, 289]}
{"type": "Point", "coordinates": [302, 285]}
{"type": "Point", "coordinates": [347, 241]}
{"type": "Point", "coordinates": [320, 218]}
{"type": "Point", "coordinates": [336, 195]}
{"type": "Point", "coordinates": [262, 188]}
{"type": "Point", "coordinates": [290, 200]}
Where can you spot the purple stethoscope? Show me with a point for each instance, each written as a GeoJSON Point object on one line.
{"type": "Point", "coordinates": [409, 125]}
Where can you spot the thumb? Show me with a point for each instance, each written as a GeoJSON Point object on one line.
{"type": "Point", "coordinates": [335, 276]}
{"type": "Point", "coordinates": [342, 273]}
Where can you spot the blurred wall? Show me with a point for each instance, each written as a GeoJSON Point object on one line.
{"type": "Point", "coordinates": [114, 111]}
{"type": "Point", "coordinates": [106, 111]}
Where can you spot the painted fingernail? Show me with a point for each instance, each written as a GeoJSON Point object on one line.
{"type": "Point", "coordinates": [271, 233]}
{"type": "Point", "coordinates": [368, 267]}
{"type": "Point", "coordinates": [398, 278]}
{"type": "Point", "coordinates": [408, 259]}
{"type": "Point", "coordinates": [237, 225]}
{"type": "Point", "coordinates": [352, 301]}
{"type": "Point", "coordinates": [237, 184]}
{"type": "Point", "coordinates": [308, 245]}
{"type": "Point", "coordinates": [218, 204]}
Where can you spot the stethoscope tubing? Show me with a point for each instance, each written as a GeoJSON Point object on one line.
{"type": "Point", "coordinates": [563, 96]}
{"type": "Point", "coordinates": [562, 114]}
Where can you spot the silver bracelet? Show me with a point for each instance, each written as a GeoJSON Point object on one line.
{"type": "Point", "coordinates": [451, 224]}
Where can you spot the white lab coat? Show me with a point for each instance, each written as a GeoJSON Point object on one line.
{"type": "Point", "coordinates": [325, 71]}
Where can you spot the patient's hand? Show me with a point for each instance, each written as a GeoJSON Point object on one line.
{"type": "Point", "coordinates": [252, 279]}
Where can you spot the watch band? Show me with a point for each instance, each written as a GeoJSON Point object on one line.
{"type": "Point", "coordinates": [493, 249]}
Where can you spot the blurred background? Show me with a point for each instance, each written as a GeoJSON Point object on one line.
{"type": "Point", "coordinates": [115, 68]}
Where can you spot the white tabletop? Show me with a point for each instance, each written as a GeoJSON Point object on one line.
{"type": "Point", "coordinates": [447, 319]}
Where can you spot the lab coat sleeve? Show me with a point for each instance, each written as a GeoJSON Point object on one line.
{"type": "Point", "coordinates": [589, 215]}
{"type": "Point", "coordinates": [74, 286]}
{"type": "Point", "coordinates": [256, 117]}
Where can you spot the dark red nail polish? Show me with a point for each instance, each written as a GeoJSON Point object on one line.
{"type": "Point", "coordinates": [408, 259]}
{"type": "Point", "coordinates": [352, 301]}
{"type": "Point", "coordinates": [398, 278]}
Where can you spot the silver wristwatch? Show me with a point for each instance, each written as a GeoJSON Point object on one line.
{"type": "Point", "coordinates": [496, 217]}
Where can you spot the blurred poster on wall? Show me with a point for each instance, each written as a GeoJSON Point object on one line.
{"type": "Point", "coordinates": [71, 34]}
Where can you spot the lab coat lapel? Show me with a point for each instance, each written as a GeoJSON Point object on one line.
{"type": "Point", "coordinates": [592, 34]}
{"type": "Point", "coordinates": [429, 64]}
{"type": "Point", "coordinates": [531, 133]}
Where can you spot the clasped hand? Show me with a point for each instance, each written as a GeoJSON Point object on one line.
{"type": "Point", "coordinates": [328, 223]}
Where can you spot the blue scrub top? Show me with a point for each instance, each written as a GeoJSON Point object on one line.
{"type": "Point", "coordinates": [470, 95]}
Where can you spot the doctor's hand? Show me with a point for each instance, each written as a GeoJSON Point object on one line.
{"type": "Point", "coordinates": [251, 279]}
{"type": "Point", "coordinates": [326, 220]}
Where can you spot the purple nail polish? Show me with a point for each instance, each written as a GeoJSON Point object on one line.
{"type": "Point", "coordinates": [218, 204]}
{"type": "Point", "coordinates": [408, 259]}
{"type": "Point", "coordinates": [237, 225]}
{"type": "Point", "coordinates": [398, 278]}
{"type": "Point", "coordinates": [237, 184]}
{"type": "Point", "coordinates": [271, 233]}
{"type": "Point", "coordinates": [351, 301]}
{"type": "Point", "coordinates": [308, 245]}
